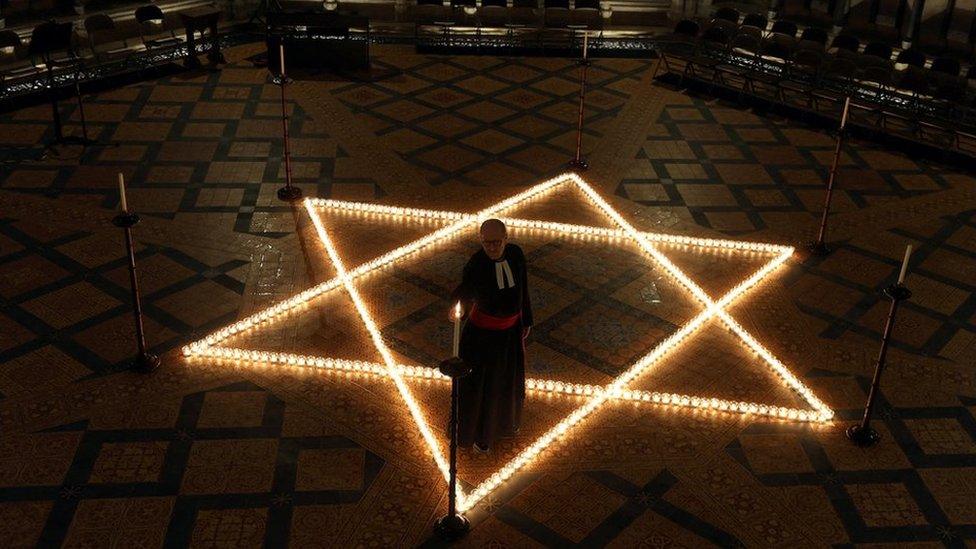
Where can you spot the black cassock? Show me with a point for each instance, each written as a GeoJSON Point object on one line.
{"type": "Point", "coordinates": [496, 296]}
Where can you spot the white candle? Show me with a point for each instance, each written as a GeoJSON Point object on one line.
{"type": "Point", "coordinates": [843, 118]}
{"type": "Point", "coordinates": [585, 43]}
{"type": "Point", "coordinates": [904, 264]}
{"type": "Point", "coordinates": [457, 328]}
{"type": "Point", "coordinates": [281, 54]}
{"type": "Point", "coordinates": [122, 204]}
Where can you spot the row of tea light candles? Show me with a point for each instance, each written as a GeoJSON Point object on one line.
{"type": "Point", "coordinates": [457, 308]}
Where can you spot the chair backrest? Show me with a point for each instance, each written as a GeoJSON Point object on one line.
{"type": "Point", "coordinates": [687, 27]}
{"type": "Point", "coordinates": [810, 45]}
{"type": "Point", "coordinates": [877, 74]}
{"type": "Point", "coordinates": [587, 4]}
{"type": "Point", "coordinates": [149, 13]}
{"type": "Point", "coordinates": [915, 80]}
{"type": "Point", "coordinates": [10, 39]}
{"type": "Point", "coordinates": [51, 37]}
{"type": "Point", "coordinates": [780, 46]}
{"type": "Point", "coordinates": [750, 31]}
{"type": "Point", "coordinates": [728, 14]}
{"type": "Point", "coordinates": [746, 44]}
{"type": "Point", "coordinates": [716, 36]}
{"type": "Point", "coordinates": [99, 23]}
{"type": "Point", "coordinates": [839, 68]}
{"type": "Point", "coordinates": [911, 57]}
{"type": "Point", "coordinates": [878, 49]}
{"type": "Point", "coordinates": [757, 20]}
{"type": "Point", "coordinates": [845, 42]}
{"type": "Point", "coordinates": [808, 60]}
{"type": "Point", "coordinates": [814, 34]}
{"type": "Point", "coordinates": [729, 27]}
{"type": "Point", "coordinates": [784, 27]}
{"type": "Point", "coordinates": [946, 65]}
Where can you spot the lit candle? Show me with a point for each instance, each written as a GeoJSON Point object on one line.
{"type": "Point", "coordinates": [281, 55]}
{"type": "Point", "coordinates": [585, 44]}
{"type": "Point", "coordinates": [122, 204]}
{"type": "Point", "coordinates": [904, 264]}
{"type": "Point", "coordinates": [847, 106]}
{"type": "Point", "coordinates": [457, 328]}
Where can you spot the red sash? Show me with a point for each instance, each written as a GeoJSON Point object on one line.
{"type": "Point", "coordinates": [489, 322]}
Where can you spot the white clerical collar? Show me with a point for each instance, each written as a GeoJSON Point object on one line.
{"type": "Point", "coordinates": [503, 275]}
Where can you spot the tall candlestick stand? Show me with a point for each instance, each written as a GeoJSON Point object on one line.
{"type": "Point", "coordinates": [863, 434]}
{"type": "Point", "coordinates": [819, 247]}
{"type": "Point", "coordinates": [453, 525]}
{"type": "Point", "coordinates": [578, 163]}
{"type": "Point", "coordinates": [288, 193]}
{"type": "Point", "coordinates": [145, 361]}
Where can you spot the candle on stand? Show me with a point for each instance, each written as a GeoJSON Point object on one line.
{"type": "Point", "coordinates": [122, 204]}
{"type": "Point", "coordinates": [847, 106]}
{"type": "Point", "coordinates": [904, 265]}
{"type": "Point", "coordinates": [281, 55]}
{"type": "Point", "coordinates": [457, 328]}
{"type": "Point", "coordinates": [585, 44]}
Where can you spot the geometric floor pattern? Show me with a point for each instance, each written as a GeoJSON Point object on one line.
{"type": "Point", "coordinates": [328, 455]}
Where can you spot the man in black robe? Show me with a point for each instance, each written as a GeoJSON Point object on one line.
{"type": "Point", "coordinates": [495, 295]}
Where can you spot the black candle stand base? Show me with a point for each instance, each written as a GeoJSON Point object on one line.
{"type": "Point", "coordinates": [289, 194]}
{"type": "Point", "coordinates": [863, 436]}
{"type": "Point", "coordinates": [897, 292]}
{"type": "Point", "coordinates": [580, 165]}
{"type": "Point", "coordinates": [818, 248]}
{"type": "Point", "coordinates": [125, 220]}
{"type": "Point", "coordinates": [452, 527]}
{"type": "Point", "coordinates": [145, 363]}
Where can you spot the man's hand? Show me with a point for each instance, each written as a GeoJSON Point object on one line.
{"type": "Point", "coordinates": [525, 331]}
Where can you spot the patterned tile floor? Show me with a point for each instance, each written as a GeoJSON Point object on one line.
{"type": "Point", "coordinates": [209, 454]}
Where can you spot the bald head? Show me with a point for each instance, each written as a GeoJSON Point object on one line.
{"type": "Point", "coordinates": [494, 227]}
{"type": "Point", "coordinates": [494, 237]}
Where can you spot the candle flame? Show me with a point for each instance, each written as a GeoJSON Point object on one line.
{"type": "Point", "coordinates": [457, 310]}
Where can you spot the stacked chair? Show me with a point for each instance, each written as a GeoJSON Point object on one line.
{"type": "Point", "coordinates": [907, 93]}
{"type": "Point", "coordinates": [99, 48]}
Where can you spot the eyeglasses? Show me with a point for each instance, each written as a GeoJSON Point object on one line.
{"type": "Point", "coordinates": [492, 242]}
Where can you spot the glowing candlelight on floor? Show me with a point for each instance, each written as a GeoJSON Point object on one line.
{"type": "Point", "coordinates": [281, 55]}
{"type": "Point", "coordinates": [904, 264]}
{"type": "Point", "coordinates": [122, 204]}
{"type": "Point", "coordinates": [457, 328]}
{"type": "Point", "coordinates": [847, 106]}
{"type": "Point", "coordinates": [585, 44]}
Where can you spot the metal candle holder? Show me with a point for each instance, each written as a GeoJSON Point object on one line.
{"type": "Point", "coordinates": [453, 525]}
{"type": "Point", "coordinates": [578, 163]}
{"type": "Point", "coordinates": [145, 361]}
{"type": "Point", "coordinates": [287, 193]}
{"type": "Point", "coordinates": [819, 247]}
{"type": "Point", "coordinates": [863, 434]}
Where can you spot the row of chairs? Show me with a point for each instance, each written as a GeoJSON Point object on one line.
{"type": "Point", "coordinates": [521, 13]}
{"type": "Point", "coordinates": [104, 41]}
{"type": "Point", "coordinates": [809, 77]}
{"type": "Point", "coordinates": [784, 36]}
